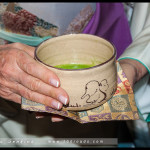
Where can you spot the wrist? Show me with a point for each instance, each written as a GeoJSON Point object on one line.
{"type": "Point", "coordinates": [133, 69]}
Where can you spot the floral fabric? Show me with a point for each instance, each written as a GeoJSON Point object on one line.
{"type": "Point", "coordinates": [17, 20]}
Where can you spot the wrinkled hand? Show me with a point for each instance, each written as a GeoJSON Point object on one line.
{"type": "Point", "coordinates": [133, 69]}
{"type": "Point", "coordinates": [21, 75]}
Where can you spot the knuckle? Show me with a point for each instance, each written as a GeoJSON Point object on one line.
{"type": "Point", "coordinates": [7, 63]}
{"type": "Point", "coordinates": [47, 102]}
{"type": "Point", "coordinates": [28, 67]}
{"type": "Point", "coordinates": [26, 93]}
{"type": "Point", "coordinates": [24, 62]}
{"type": "Point", "coordinates": [21, 56]}
{"type": "Point", "coordinates": [6, 71]}
{"type": "Point", "coordinates": [35, 85]}
{"type": "Point", "coordinates": [5, 93]}
{"type": "Point", "coordinates": [4, 68]}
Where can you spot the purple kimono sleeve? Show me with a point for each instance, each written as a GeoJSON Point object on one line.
{"type": "Point", "coordinates": [110, 22]}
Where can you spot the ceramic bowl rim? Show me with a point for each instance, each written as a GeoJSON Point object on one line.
{"type": "Point", "coordinates": [83, 69]}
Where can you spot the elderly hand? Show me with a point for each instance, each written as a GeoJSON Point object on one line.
{"type": "Point", "coordinates": [21, 75]}
{"type": "Point", "coordinates": [133, 69]}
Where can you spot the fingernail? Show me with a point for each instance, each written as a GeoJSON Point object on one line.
{"type": "Point", "coordinates": [56, 119]}
{"type": "Point", "coordinates": [57, 105]}
{"type": "Point", "coordinates": [54, 82]}
{"type": "Point", "coordinates": [63, 99]}
{"type": "Point", "coordinates": [38, 117]}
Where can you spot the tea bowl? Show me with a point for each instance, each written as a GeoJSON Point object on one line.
{"type": "Point", "coordinates": [87, 87]}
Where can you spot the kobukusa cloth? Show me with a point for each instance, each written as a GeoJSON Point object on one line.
{"type": "Point", "coordinates": [120, 107]}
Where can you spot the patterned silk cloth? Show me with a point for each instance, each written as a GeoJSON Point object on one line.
{"type": "Point", "coordinates": [15, 19]}
{"type": "Point", "coordinates": [121, 106]}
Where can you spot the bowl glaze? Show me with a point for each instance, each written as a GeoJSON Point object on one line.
{"type": "Point", "coordinates": [87, 87]}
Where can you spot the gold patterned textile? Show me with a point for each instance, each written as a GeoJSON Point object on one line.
{"type": "Point", "coordinates": [120, 107]}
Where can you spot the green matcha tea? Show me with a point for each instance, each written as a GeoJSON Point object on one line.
{"type": "Point", "coordinates": [74, 66]}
